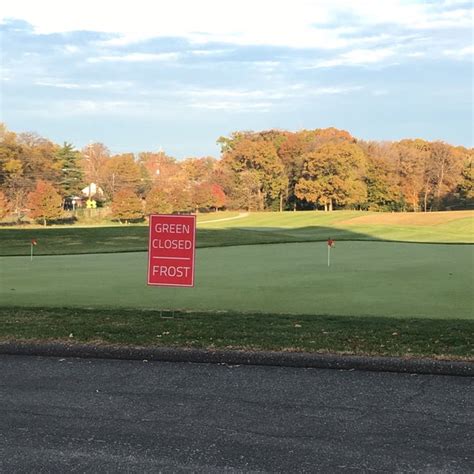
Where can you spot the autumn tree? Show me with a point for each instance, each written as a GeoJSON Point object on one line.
{"type": "Point", "coordinates": [382, 191]}
{"type": "Point", "coordinates": [39, 158]}
{"type": "Point", "coordinates": [414, 172]}
{"type": "Point", "coordinates": [180, 195]}
{"type": "Point", "coordinates": [323, 136]}
{"type": "Point", "coordinates": [198, 170]}
{"type": "Point", "coordinates": [464, 193]}
{"type": "Point", "coordinates": [158, 202]}
{"type": "Point", "coordinates": [94, 158]}
{"type": "Point", "coordinates": [24, 159]}
{"type": "Point", "coordinates": [127, 206]}
{"type": "Point", "coordinates": [202, 196]}
{"type": "Point", "coordinates": [446, 166]}
{"type": "Point", "coordinates": [44, 203]}
{"type": "Point", "coordinates": [227, 180]}
{"type": "Point", "coordinates": [333, 175]}
{"type": "Point", "coordinates": [219, 198]}
{"type": "Point", "coordinates": [291, 153]}
{"type": "Point", "coordinates": [4, 205]}
{"type": "Point", "coordinates": [120, 172]}
{"type": "Point", "coordinates": [12, 177]}
{"type": "Point", "coordinates": [260, 160]}
{"type": "Point", "coordinates": [159, 167]}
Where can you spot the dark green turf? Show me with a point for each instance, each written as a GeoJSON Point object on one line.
{"type": "Point", "coordinates": [336, 334]}
{"type": "Point", "coordinates": [259, 228]}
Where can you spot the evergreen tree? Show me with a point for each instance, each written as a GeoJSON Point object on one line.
{"type": "Point", "coordinates": [71, 173]}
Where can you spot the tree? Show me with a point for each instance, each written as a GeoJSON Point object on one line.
{"type": "Point", "coordinates": [334, 174]}
{"type": "Point", "coordinates": [227, 180]}
{"type": "Point", "coordinates": [260, 159]}
{"type": "Point", "coordinates": [24, 159]}
{"type": "Point", "coordinates": [465, 187]}
{"type": "Point", "coordinates": [44, 203]}
{"type": "Point", "coordinates": [94, 159]}
{"type": "Point", "coordinates": [446, 168]}
{"type": "Point", "coordinates": [219, 199]}
{"type": "Point", "coordinates": [202, 196]}
{"type": "Point", "coordinates": [159, 166]}
{"type": "Point", "coordinates": [120, 172]}
{"type": "Point", "coordinates": [411, 169]}
{"type": "Point", "coordinates": [382, 191]}
{"type": "Point", "coordinates": [126, 206]}
{"type": "Point", "coordinates": [198, 170]}
{"type": "Point", "coordinates": [157, 202]}
{"type": "Point", "coordinates": [72, 175]}
{"type": "Point", "coordinates": [179, 194]}
{"type": "Point", "coordinates": [291, 153]}
{"type": "Point", "coordinates": [4, 205]}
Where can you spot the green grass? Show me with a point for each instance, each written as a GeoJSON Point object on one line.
{"type": "Point", "coordinates": [365, 278]}
{"type": "Point", "coordinates": [257, 228]}
{"type": "Point", "coordinates": [377, 336]}
{"type": "Point", "coordinates": [92, 282]}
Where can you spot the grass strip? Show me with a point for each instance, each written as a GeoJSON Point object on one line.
{"type": "Point", "coordinates": [443, 339]}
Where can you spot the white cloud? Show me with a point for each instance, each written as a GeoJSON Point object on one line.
{"type": "Point", "coordinates": [462, 53]}
{"type": "Point", "coordinates": [232, 106]}
{"type": "Point", "coordinates": [210, 52]}
{"type": "Point", "coordinates": [292, 23]}
{"type": "Point", "coordinates": [84, 107]}
{"type": "Point", "coordinates": [107, 85]}
{"type": "Point", "coordinates": [357, 57]}
{"type": "Point", "coordinates": [236, 100]}
{"type": "Point", "coordinates": [135, 57]}
{"type": "Point", "coordinates": [71, 49]}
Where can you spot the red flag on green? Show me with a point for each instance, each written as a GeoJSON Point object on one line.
{"type": "Point", "coordinates": [331, 244]}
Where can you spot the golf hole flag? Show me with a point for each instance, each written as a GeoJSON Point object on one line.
{"type": "Point", "coordinates": [331, 244]}
{"type": "Point", "coordinates": [33, 244]}
{"type": "Point", "coordinates": [171, 250]}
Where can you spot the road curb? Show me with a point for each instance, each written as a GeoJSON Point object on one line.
{"type": "Point", "coordinates": [234, 357]}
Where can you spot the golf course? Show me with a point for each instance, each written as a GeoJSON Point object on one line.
{"type": "Point", "coordinates": [386, 271]}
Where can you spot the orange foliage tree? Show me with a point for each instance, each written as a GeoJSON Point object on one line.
{"type": "Point", "coordinates": [4, 205]}
{"type": "Point", "coordinates": [44, 203]}
{"type": "Point", "coordinates": [127, 206]}
{"type": "Point", "coordinates": [157, 202]}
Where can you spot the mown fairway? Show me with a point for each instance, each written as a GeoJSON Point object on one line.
{"type": "Point", "coordinates": [230, 228]}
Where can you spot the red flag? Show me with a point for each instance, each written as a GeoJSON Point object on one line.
{"type": "Point", "coordinates": [33, 242]}
{"type": "Point", "coordinates": [331, 243]}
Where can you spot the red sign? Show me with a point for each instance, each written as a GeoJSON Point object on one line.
{"type": "Point", "coordinates": [171, 249]}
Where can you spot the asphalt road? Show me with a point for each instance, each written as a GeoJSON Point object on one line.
{"type": "Point", "coordinates": [73, 415]}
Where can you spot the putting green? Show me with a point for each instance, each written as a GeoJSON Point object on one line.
{"type": "Point", "coordinates": [365, 278]}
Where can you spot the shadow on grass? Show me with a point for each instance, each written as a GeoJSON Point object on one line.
{"type": "Point", "coordinates": [76, 240]}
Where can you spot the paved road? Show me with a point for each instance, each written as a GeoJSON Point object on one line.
{"type": "Point", "coordinates": [72, 415]}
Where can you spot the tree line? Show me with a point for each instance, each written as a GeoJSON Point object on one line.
{"type": "Point", "coordinates": [267, 170]}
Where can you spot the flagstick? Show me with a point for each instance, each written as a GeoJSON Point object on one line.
{"type": "Point", "coordinates": [329, 255]}
{"type": "Point", "coordinates": [31, 252]}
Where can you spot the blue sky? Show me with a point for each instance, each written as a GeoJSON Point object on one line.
{"type": "Point", "coordinates": [147, 74]}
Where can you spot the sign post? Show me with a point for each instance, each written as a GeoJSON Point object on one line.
{"type": "Point", "coordinates": [171, 250]}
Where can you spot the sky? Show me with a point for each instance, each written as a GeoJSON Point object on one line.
{"type": "Point", "coordinates": [146, 75]}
